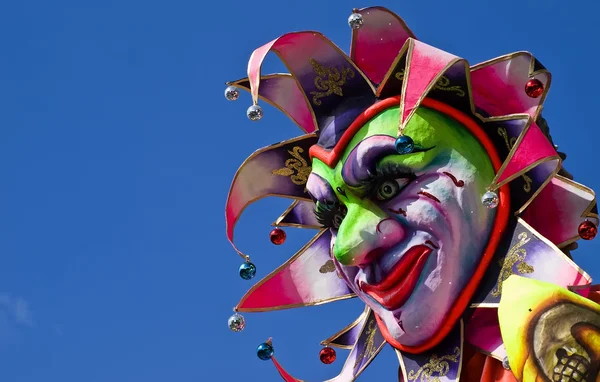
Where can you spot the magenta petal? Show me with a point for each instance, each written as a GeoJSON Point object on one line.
{"type": "Point", "coordinates": [564, 201]}
{"type": "Point", "coordinates": [307, 279]}
{"type": "Point", "coordinates": [282, 91]}
{"type": "Point", "coordinates": [425, 66]}
{"type": "Point", "coordinates": [499, 85]}
{"type": "Point", "coordinates": [265, 173]}
{"type": "Point", "coordinates": [533, 149]}
{"type": "Point", "coordinates": [483, 332]}
{"type": "Point", "coordinates": [310, 56]}
{"type": "Point", "coordinates": [377, 43]}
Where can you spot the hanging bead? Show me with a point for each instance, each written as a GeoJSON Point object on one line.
{"type": "Point", "coordinates": [236, 322]}
{"type": "Point", "coordinates": [265, 350]}
{"type": "Point", "coordinates": [587, 230]}
{"type": "Point", "coordinates": [247, 270]}
{"type": "Point", "coordinates": [534, 88]}
{"type": "Point", "coordinates": [327, 355]}
{"type": "Point", "coordinates": [405, 144]}
{"type": "Point", "coordinates": [232, 93]}
{"type": "Point", "coordinates": [355, 20]}
{"type": "Point", "coordinates": [277, 236]}
{"type": "Point", "coordinates": [505, 363]}
{"type": "Point", "coordinates": [490, 200]}
{"type": "Point", "coordinates": [254, 112]}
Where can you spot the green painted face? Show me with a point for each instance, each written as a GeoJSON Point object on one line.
{"type": "Point", "coordinates": [408, 230]}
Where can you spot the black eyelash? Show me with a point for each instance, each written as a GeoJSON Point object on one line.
{"type": "Point", "coordinates": [330, 214]}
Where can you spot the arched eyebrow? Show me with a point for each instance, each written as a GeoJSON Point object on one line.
{"type": "Point", "coordinates": [361, 164]}
{"type": "Point", "coordinates": [320, 189]}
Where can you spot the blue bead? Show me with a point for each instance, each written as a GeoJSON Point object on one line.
{"type": "Point", "coordinates": [247, 271]}
{"type": "Point", "coordinates": [265, 351]}
{"type": "Point", "coordinates": [405, 144]}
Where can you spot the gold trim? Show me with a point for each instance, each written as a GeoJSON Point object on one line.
{"type": "Point", "coordinates": [278, 223]}
{"type": "Point", "coordinates": [276, 272]}
{"type": "Point", "coordinates": [409, 52]}
{"type": "Point", "coordinates": [268, 101]}
{"type": "Point", "coordinates": [462, 342]}
{"type": "Point", "coordinates": [237, 173]}
{"type": "Point", "coordinates": [329, 341]}
{"type": "Point", "coordinates": [484, 305]}
{"type": "Point", "coordinates": [489, 354]}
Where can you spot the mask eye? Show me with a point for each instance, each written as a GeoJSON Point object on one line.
{"type": "Point", "coordinates": [390, 188]}
{"type": "Point", "coordinates": [336, 222]}
{"type": "Point", "coordinates": [330, 214]}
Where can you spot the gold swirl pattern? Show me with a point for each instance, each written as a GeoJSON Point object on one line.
{"type": "Point", "coordinates": [370, 348]}
{"type": "Point", "coordinates": [443, 83]}
{"type": "Point", "coordinates": [516, 255]}
{"type": "Point", "coordinates": [436, 367]}
{"type": "Point", "coordinates": [296, 168]}
{"type": "Point", "coordinates": [329, 81]}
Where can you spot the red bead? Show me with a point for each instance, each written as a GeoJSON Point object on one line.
{"type": "Point", "coordinates": [587, 230]}
{"type": "Point", "coordinates": [534, 88]}
{"type": "Point", "coordinates": [327, 355]}
{"type": "Point", "coordinates": [278, 236]}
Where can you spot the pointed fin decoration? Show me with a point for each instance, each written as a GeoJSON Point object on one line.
{"type": "Point", "coordinates": [483, 332]}
{"type": "Point", "coordinates": [277, 170]}
{"type": "Point", "coordinates": [375, 45]}
{"type": "Point", "coordinates": [347, 337]}
{"type": "Point", "coordinates": [391, 83]}
{"type": "Point", "coordinates": [499, 85]}
{"type": "Point", "coordinates": [282, 92]}
{"type": "Point", "coordinates": [425, 65]}
{"type": "Point", "coordinates": [443, 363]}
{"type": "Point", "coordinates": [564, 201]}
{"type": "Point", "coordinates": [528, 254]}
{"type": "Point", "coordinates": [300, 281]}
{"type": "Point", "coordinates": [531, 151]}
{"type": "Point", "coordinates": [549, 331]}
{"type": "Point", "coordinates": [301, 214]}
{"type": "Point", "coordinates": [325, 75]}
{"type": "Point", "coordinates": [367, 347]}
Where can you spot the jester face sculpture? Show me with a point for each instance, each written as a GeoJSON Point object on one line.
{"type": "Point", "coordinates": [407, 230]}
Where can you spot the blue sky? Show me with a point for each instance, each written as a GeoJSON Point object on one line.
{"type": "Point", "coordinates": [117, 149]}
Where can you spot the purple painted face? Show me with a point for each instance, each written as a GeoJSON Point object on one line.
{"type": "Point", "coordinates": [408, 230]}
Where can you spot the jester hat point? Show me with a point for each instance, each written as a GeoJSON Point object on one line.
{"type": "Point", "coordinates": [330, 95]}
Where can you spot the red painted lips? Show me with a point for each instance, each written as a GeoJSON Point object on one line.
{"type": "Point", "coordinates": [393, 291]}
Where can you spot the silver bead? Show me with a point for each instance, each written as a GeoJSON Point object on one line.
{"type": "Point", "coordinates": [232, 93]}
{"type": "Point", "coordinates": [505, 363]}
{"type": "Point", "coordinates": [355, 20]}
{"type": "Point", "coordinates": [490, 200]}
{"type": "Point", "coordinates": [236, 322]}
{"type": "Point", "coordinates": [254, 112]}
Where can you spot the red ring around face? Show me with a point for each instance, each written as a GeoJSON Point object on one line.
{"type": "Point", "coordinates": [331, 158]}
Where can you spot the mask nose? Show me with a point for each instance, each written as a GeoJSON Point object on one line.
{"type": "Point", "coordinates": [365, 233]}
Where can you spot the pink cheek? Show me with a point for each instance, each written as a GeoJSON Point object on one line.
{"type": "Point", "coordinates": [390, 232]}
